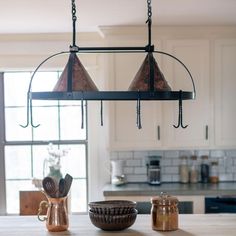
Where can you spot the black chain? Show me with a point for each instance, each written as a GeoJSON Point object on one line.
{"type": "Point", "coordinates": [74, 18]}
{"type": "Point", "coordinates": [149, 14]}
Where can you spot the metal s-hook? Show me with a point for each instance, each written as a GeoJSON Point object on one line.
{"type": "Point", "coordinates": [180, 118]}
{"type": "Point", "coordinates": [29, 114]}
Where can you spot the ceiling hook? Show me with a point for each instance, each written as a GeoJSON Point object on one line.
{"type": "Point", "coordinates": [180, 117]}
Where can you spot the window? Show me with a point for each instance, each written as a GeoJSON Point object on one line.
{"type": "Point", "coordinates": [25, 149]}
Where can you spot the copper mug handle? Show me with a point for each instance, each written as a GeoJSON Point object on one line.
{"type": "Point", "coordinates": [40, 210]}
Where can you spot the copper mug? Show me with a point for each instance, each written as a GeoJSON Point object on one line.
{"type": "Point", "coordinates": [57, 216]}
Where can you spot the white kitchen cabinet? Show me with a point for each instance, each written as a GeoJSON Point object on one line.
{"type": "Point", "coordinates": [195, 55]}
{"type": "Point", "coordinates": [124, 132]}
{"type": "Point", "coordinates": [158, 117]}
{"type": "Point", "coordinates": [225, 85]}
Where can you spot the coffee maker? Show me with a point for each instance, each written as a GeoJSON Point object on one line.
{"type": "Point", "coordinates": [154, 170]}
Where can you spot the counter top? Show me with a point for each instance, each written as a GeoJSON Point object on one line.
{"type": "Point", "coordinates": [189, 225]}
{"type": "Point", "coordinates": [144, 189]}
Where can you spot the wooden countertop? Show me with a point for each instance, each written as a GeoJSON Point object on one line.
{"type": "Point", "coordinates": [189, 225]}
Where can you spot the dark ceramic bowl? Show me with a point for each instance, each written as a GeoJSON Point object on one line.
{"type": "Point", "coordinates": [112, 207]}
{"type": "Point", "coordinates": [113, 222]}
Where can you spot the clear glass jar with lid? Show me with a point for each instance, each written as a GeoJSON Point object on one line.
{"type": "Point", "coordinates": [183, 170]}
{"type": "Point", "coordinates": [205, 169]}
{"type": "Point", "coordinates": [214, 172]}
{"type": "Point", "coordinates": [193, 172]}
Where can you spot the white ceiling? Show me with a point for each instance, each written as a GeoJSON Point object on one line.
{"type": "Point", "coordinates": [37, 16]}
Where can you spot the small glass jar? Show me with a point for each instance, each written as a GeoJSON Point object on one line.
{"type": "Point", "coordinates": [193, 172]}
{"type": "Point", "coordinates": [205, 170]}
{"type": "Point", "coordinates": [184, 170]}
{"type": "Point", "coordinates": [214, 172]}
{"type": "Point", "coordinates": [164, 213]}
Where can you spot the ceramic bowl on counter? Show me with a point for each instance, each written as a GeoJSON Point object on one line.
{"type": "Point", "coordinates": [112, 207]}
{"type": "Point", "coordinates": [113, 214]}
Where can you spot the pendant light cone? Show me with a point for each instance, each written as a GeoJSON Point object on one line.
{"type": "Point", "coordinates": [142, 80]}
{"type": "Point", "coordinates": [74, 77]}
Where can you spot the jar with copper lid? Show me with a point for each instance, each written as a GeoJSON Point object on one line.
{"type": "Point", "coordinates": [164, 212]}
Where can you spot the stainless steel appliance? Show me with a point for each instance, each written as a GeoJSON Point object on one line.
{"type": "Point", "coordinates": [154, 171]}
{"type": "Point", "coordinates": [220, 204]}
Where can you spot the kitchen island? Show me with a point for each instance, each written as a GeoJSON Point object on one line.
{"type": "Point", "coordinates": [189, 225]}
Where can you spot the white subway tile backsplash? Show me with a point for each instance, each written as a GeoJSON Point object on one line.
{"type": "Point", "coordinates": [166, 162]}
{"type": "Point", "coordinates": [136, 178]}
{"type": "Point", "coordinates": [200, 153]}
{"type": "Point", "coordinates": [171, 154]}
{"type": "Point", "coordinates": [171, 170]}
{"type": "Point", "coordinates": [231, 153]}
{"type": "Point", "coordinates": [140, 154]}
{"type": "Point", "coordinates": [128, 170]}
{"type": "Point", "coordinates": [175, 178]}
{"type": "Point", "coordinates": [114, 156]}
{"type": "Point", "coordinates": [217, 153]}
{"type": "Point", "coordinates": [155, 153]}
{"type": "Point", "coordinates": [140, 170]}
{"type": "Point", "coordinates": [166, 178]}
{"type": "Point", "coordinates": [135, 163]}
{"type": "Point", "coordinates": [125, 155]}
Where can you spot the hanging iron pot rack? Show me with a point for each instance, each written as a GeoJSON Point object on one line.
{"type": "Point", "coordinates": [76, 84]}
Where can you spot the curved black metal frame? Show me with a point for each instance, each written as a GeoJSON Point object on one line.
{"type": "Point", "coordinates": [111, 95]}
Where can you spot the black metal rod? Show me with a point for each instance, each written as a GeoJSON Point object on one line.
{"type": "Point", "coordinates": [151, 71]}
{"type": "Point", "coordinates": [110, 49]}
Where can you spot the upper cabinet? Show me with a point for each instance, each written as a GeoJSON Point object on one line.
{"type": "Point", "coordinates": [225, 98]}
{"type": "Point", "coordinates": [196, 113]}
{"type": "Point", "coordinates": [124, 132]}
{"type": "Point", "coordinates": [211, 59]}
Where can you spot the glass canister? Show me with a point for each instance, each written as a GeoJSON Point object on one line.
{"type": "Point", "coordinates": [164, 212]}
{"type": "Point", "coordinates": [183, 170]}
{"type": "Point", "coordinates": [214, 172]}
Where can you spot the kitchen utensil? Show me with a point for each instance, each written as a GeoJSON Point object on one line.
{"type": "Point", "coordinates": [164, 212]}
{"type": "Point", "coordinates": [113, 222]}
{"type": "Point", "coordinates": [50, 186]}
{"type": "Point", "coordinates": [62, 187]}
{"type": "Point", "coordinates": [68, 182]}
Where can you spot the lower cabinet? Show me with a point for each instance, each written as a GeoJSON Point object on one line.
{"type": "Point", "coordinates": [187, 204]}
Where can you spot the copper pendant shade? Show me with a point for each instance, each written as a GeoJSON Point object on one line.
{"type": "Point", "coordinates": [142, 80]}
{"type": "Point", "coordinates": [74, 77]}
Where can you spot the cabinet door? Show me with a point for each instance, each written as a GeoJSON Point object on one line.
{"type": "Point", "coordinates": [124, 132]}
{"type": "Point", "coordinates": [196, 113]}
{"type": "Point", "coordinates": [225, 95]}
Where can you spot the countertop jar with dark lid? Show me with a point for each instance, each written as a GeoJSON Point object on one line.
{"type": "Point", "coordinates": [164, 212]}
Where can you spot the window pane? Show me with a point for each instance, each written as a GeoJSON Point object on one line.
{"type": "Point", "coordinates": [40, 153]}
{"type": "Point", "coordinates": [43, 82]}
{"type": "Point", "coordinates": [12, 190]}
{"type": "Point", "coordinates": [79, 193]}
{"type": "Point", "coordinates": [71, 123]}
{"type": "Point", "coordinates": [18, 162]}
{"type": "Point", "coordinates": [16, 87]}
{"type": "Point", "coordinates": [74, 163]}
{"type": "Point", "coordinates": [14, 117]}
{"type": "Point", "coordinates": [47, 117]}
